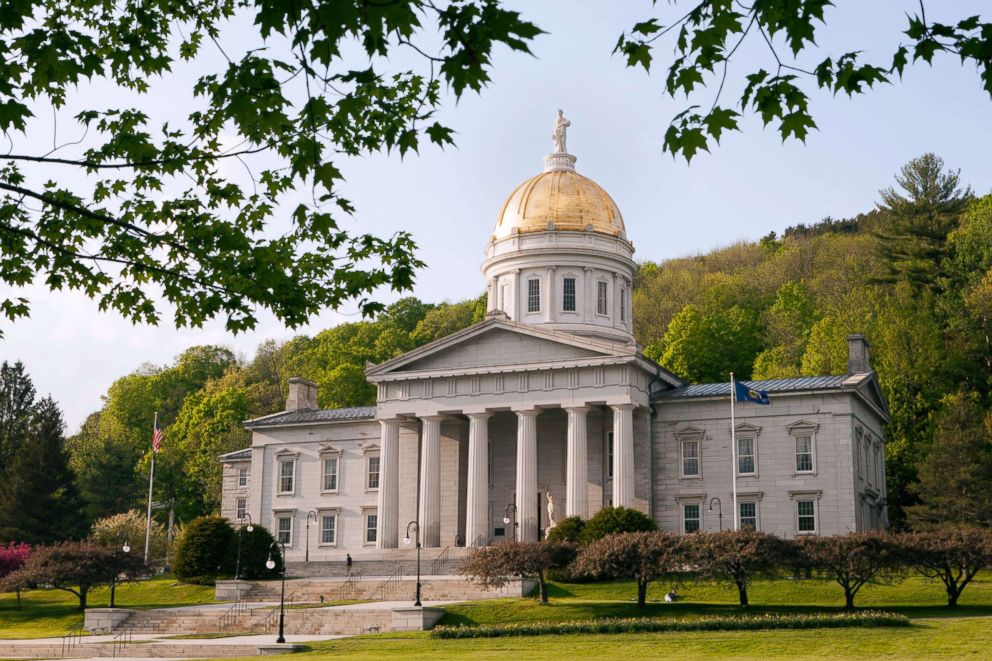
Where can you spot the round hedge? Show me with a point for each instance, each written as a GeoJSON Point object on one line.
{"type": "Point", "coordinates": [202, 550]}
{"type": "Point", "coordinates": [611, 520]}
{"type": "Point", "coordinates": [254, 553]}
{"type": "Point", "coordinates": [568, 530]}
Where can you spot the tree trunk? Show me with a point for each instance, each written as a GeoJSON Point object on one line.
{"type": "Point", "coordinates": [742, 593]}
{"type": "Point", "coordinates": [18, 599]}
{"type": "Point", "coordinates": [82, 598]}
{"type": "Point", "coordinates": [642, 592]}
{"type": "Point", "coordinates": [952, 596]}
{"type": "Point", "coordinates": [848, 600]}
{"type": "Point", "coordinates": [542, 587]}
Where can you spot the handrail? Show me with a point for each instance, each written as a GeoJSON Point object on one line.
{"type": "Point", "coordinates": [270, 619]}
{"type": "Point", "coordinates": [230, 616]}
{"type": "Point", "coordinates": [386, 586]}
{"type": "Point", "coordinates": [123, 638]}
{"type": "Point", "coordinates": [442, 558]}
{"type": "Point", "coordinates": [71, 639]}
{"type": "Point", "coordinates": [350, 586]}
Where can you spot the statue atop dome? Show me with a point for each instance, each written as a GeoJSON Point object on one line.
{"type": "Point", "coordinates": [558, 133]}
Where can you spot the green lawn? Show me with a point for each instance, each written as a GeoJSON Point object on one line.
{"type": "Point", "coordinates": [46, 613]}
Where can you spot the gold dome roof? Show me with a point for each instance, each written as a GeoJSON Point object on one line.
{"type": "Point", "coordinates": [561, 199]}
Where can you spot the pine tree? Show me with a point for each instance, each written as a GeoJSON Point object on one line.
{"type": "Point", "coordinates": [16, 399]}
{"type": "Point", "coordinates": [39, 503]}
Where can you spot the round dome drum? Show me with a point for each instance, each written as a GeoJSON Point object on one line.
{"type": "Point", "coordinates": [559, 199]}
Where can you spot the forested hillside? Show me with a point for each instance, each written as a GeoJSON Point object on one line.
{"type": "Point", "coordinates": [914, 275]}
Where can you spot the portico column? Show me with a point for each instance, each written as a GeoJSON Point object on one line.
{"type": "Point", "coordinates": [430, 480]}
{"type": "Point", "coordinates": [623, 455]}
{"type": "Point", "coordinates": [527, 475]}
{"type": "Point", "coordinates": [387, 535]}
{"type": "Point", "coordinates": [477, 497]}
{"type": "Point", "coordinates": [577, 464]}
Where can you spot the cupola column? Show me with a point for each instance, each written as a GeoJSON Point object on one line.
{"type": "Point", "coordinates": [477, 495]}
{"type": "Point", "coordinates": [526, 500]}
{"type": "Point", "coordinates": [430, 481]}
{"type": "Point", "coordinates": [623, 455]}
{"type": "Point", "coordinates": [577, 464]}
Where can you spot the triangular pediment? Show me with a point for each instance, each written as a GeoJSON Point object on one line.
{"type": "Point", "coordinates": [498, 343]}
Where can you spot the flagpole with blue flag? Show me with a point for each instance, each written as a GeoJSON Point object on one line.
{"type": "Point", "coordinates": [156, 436]}
{"type": "Point", "coordinates": [733, 446]}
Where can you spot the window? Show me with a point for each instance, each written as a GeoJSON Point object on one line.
{"type": "Point", "coordinates": [373, 476]}
{"type": "Point", "coordinates": [623, 304]}
{"type": "Point", "coordinates": [748, 516]}
{"type": "Point", "coordinates": [690, 517]}
{"type": "Point", "coordinates": [331, 474]}
{"type": "Point", "coordinates": [609, 454]}
{"type": "Point", "coordinates": [284, 530]}
{"type": "Point", "coordinates": [287, 470]}
{"type": "Point", "coordinates": [690, 458]}
{"type": "Point", "coordinates": [804, 454]}
{"type": "Point", "coordinates": [745, 456]}
{"type": "Point", "coordinates": [806, 515]}
{"type": "Point", "coordinates": [328, 529]}
{"type": "Point", "coordinates": [241, 507]}
{"type": "Point", "coordinates": [504, 297]}
{"type": "Point", "coordinates": [371, 523]}
{"type": "Point", "coordinates": [601, 298]}
{"type": "Point", "coordinates": [568, 295]}
{"type": "Point", "coordinates": [534, 295]}
{"type": "Point", "coordinates": [242, 477]}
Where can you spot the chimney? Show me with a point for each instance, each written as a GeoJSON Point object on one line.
{"type": "Point", "coordinates": [302, 394]}
{"type": "Point", "coordinates": [858, 361]}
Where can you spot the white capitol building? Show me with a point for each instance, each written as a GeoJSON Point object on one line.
{"type": "Point", "coordinates": [551, 399]}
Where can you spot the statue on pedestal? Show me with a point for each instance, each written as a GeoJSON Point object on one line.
{"type": "Point", "coordinates": [558, 133]}
{"type": "Point", "coordinates": [551, 512]}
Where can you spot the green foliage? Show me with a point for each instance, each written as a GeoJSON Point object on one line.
{"type": "Point", "coordinates": [705, 346]}
{"type": "Point", "coordinates": [643, 556]}
{"type": "Point", "coordinates": [159, 205]}
{"type": "Point", "coordinates": [129, 527]}
{"type": "Point", "coordinates": [644, 625]}
{"type": "Point", "coordinates": [569, 529]}
{"type": "Point", "coordinates": [17, 396]}
{"type": "Point", "coordinates": [706, 37]}
{"type": "Point", "coordinates": [202, 549]}
{"type": "Point", "coordinates": [255, 550]}
{"type": "Point", "coordinates": [853, 560]}
{"type": "Point", "coordinates": [612, 520]}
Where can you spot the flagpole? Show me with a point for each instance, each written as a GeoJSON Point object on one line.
{"type": "Point", "coordinates": [151, 482]}
{"type": "Point", "coordinates": [733, 447]}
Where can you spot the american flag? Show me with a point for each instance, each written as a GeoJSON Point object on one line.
{"type": "Point", "coordinates": [157, 437]}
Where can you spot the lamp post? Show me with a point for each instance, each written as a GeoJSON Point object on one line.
{"type": "Point", "coordinates": [306, 555]}
{"type": "Point", "coordinates": [271, 564]}
{"type": "Point", "coordinates": [406, 540]}
{"type": "Point", "coordinates": [241, 526]}
{"type": "Point", "coordinates": [113, 577]}
{"type": "Point", "coordinates": [719, 510]}
{"type": "Point", "coordinates": [511, 508]}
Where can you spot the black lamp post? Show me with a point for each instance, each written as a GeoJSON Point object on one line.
{"type": "Point", "coordinates": [241, 526]}
{"type": "Point", "coordinates": [271, 564]}
{"type": "Point", "coordinates": [511, 509]}
{"type": "Point", "coordinates": [719, 510]}
{"type": "Point", "coordinates": [113, 577]}
{"type": "Point", "coordinates": [306, 556]}
{"type": "Point", "coordinates": [406, 540]}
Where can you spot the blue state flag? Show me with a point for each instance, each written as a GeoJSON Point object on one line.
{"type": "Point", "coordinates": [744, 394]}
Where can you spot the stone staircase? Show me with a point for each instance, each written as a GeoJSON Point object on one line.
{"type": "Point", "coordinates": [178, 649]}
{"type": "Point", "coordinates": [380, 588]}
{"type": "Point", "coordinates": [433, 562]}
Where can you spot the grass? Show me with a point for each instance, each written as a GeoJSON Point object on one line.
{"type": "Point", "coordinates": [51, 613]}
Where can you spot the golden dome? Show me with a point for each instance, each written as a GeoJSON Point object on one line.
{"type": "Point", "coordinates": [561, 199]}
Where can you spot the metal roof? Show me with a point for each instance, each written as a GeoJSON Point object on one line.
{"type": "Point", "coordinates": [313, 415]}
{"type": "Point", "coordinates": [236, 455]}
{"type": "Point", "coordinates": [769, 385]}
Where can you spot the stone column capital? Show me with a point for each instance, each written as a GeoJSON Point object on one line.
{"type": "Point", "coordinates": [576, 410]}
{"type": "Point", "coordinates": [478, 415]}
{"type": "Point", "coordinates": [526, 413]}
{"type": "Point", "coordinates": [623, 407]}
{"type": "Point", "coordinates": [432, 418]}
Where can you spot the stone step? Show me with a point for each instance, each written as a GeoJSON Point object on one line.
{"type": "Point", "coordinates": [180, 649]}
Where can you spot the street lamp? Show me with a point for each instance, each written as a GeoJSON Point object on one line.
{"type": "Point", "coordinates": [511, 508]}
{"type": "Point", "coordinates": [113, 577]}
{"type": "Point", "coordinates": [241, 526]}
{"type": "Point", "coordinates": [306, 556]}
{"type": "Point", "coordinates": [271, 564]}
{"type": "Point", "coordinates": [719, 510]}
{"type": "Point", "coordinates": [406, 540]}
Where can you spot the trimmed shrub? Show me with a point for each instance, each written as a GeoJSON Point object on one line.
{"type": "Point", "coordinates": [255, 547]}
{"type": "Point", "coordinates": [649, 625]}
{"type": "Point", "coordinates": [612, 520]}
{"type": "Point", "coordinates": [568, 530]}
{"type": "Point", "coordinates": [202, 550]}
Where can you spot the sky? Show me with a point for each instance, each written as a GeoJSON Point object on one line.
{"type": "Point", "coordinates": [748, 186]}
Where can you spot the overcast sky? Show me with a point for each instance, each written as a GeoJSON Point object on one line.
{"type": "Point", "coordinates": [750, 185]}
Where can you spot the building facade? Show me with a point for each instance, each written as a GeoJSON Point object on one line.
{"type": "Point", "coordinates": [548, 409]}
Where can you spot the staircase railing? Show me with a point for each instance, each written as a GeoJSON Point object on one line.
{"type": "Point", "coordinates": [349, 588]}
{"type": "Point", "coordinates": [439, 562]}
{"type": "Point", "coordinates": [72, 639]}
{"type": "Point", "coordinates": [123, 638]}
{"type": "Point", "coordinates": [231, 615]}
{"type": "Point", "coordinates": [271, 619]}
{"type": "Point", "coordinates": [386, 587]}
